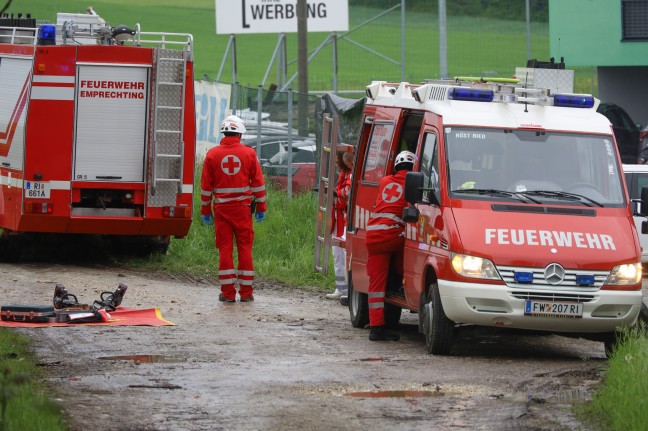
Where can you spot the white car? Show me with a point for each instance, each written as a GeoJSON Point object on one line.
{"type": "Point", "coordinates": [636, 178]}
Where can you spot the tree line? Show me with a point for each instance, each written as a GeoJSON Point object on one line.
{"type": "Point", "coordinates": [513, 10]}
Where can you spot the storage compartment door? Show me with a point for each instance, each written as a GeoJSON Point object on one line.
{"type": "Point", "coordinates": [111, 123]}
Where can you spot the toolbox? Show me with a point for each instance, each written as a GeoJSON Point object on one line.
{"type": "Point", "coordinates": [27, 313]}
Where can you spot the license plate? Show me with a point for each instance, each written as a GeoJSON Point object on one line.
{"type": "Point", "coordinates": [554, 309]}
{"type": "Point", "coordinates": [37, 190]}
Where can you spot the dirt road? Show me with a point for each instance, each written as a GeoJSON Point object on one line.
{"type": "Point", "coordinates": [288, 361]}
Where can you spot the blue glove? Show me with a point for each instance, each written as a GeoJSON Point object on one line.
{"type": "Point", "coordinates": [208, 219]}
{"type": "Point", "coordinates": [259, 216]}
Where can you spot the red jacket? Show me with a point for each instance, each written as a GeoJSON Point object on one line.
{"type": "Point", "coordinates": [340, 214]}
{"type": "Point", "coordinates": [231, 176]}
{"type": "Point", "coordinates": [386, 220]}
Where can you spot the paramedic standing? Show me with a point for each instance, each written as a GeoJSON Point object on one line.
{"type": "Point", "coordinates": [338, 227]}
{"type": "Point", "coordinates": [232, 179]}
{"type": "Point", "coordinates": [385, 237]}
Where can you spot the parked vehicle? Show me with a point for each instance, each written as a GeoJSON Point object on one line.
{"type": "Point", "coordinates": [302, 168]}
{"type": "Point", "coordinates": [519, 215]}
{"type": "Point", "coordinates": [626, 132]}
{"type": "Point", "coordinates": [636, 177]}
{"type": "Point", "coordinates": [97, 132]}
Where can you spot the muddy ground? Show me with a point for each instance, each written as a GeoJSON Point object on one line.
{"type": "Point", "coordinates": [288, 361]}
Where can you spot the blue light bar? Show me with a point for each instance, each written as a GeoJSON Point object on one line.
{"type": "Point", "coordinates": [47, 34]}
{"type": "Point", "coordinates": [523, 277]}
{"type": "Point", "coordinates": [585, 280]}
{"type": "Point", "coordinates": [574, 100]}
{"type": "Point", "coordinates": [470, 94]}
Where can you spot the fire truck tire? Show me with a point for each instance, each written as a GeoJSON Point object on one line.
{"type": "Point", "coordinates": [358, 306]}
{"type": "Point", "coordinates": [392, 315]}
{"type": "Point", "coordinates": [437, 328]}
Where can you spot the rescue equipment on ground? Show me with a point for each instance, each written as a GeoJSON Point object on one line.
{"type": "Point", "coordinates": [97, 131]}
{"type": "Point", "coordinates": [66, 308]}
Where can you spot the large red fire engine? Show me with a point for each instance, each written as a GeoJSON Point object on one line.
{"type": "Point", "coordinates": [519, 213]}
{"type": "Point", "coordinates": [97, 131]}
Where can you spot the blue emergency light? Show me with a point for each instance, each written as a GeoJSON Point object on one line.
{"type": "Point", "coordinates": [574, 100]}
{"type": "Point", "coordinates": [47, 34]}
{"type": "Point", "coordinates": [523, 277]}
{"type": "Point", "coordinates": [585, 280]}
{"type": "Point", "coordinates": [471, 94]}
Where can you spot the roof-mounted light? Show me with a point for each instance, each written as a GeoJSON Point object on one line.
{"type": "Point", "coordinates": [372, 90]}
{"type": "Point", "coordinates": [470, 94]}
{"type": "Point", "coordinates": [574, 100]}
{"type": "Point", "coordinates": [47, 34]}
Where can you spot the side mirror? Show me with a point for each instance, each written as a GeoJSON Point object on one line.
{"type": "Point", "coordinates": [414, 187]}
{"type": "Point", "coordinates": [643, 204]}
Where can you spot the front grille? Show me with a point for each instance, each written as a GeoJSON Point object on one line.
{"type": "Point", "coordinates": [539, 282]}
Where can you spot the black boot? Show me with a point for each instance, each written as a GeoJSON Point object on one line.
{"type": "Point", "coordinates": [379, 333]}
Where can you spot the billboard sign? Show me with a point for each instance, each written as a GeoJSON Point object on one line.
{"type": "Point", "coordinates": [279, 16]}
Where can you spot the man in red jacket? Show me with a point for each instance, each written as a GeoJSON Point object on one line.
{"type": "Point", "coordinates": [385, 237]}
{"type": "Point", "coordinates": [232, 179]}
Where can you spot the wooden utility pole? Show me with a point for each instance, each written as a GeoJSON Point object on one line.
{"type": "Point", "coordinates": [302, 67]}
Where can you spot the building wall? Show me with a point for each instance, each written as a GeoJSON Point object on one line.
{"type": "Point", "coordinates": [589, 33]}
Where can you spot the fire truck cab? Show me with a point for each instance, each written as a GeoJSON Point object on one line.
{"type": "Point", "coordinates": [519, 213]}
{"type": "Point", "coordinates": [97, 131]}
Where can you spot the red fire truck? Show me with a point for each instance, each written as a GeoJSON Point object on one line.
{"type": "Point", "coordinates": [519, 212]}
{"type": "Point", "coordinates": [97, 132]}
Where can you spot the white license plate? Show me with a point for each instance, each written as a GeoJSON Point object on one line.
{"type": "Point", "coordinates": [551, 308]}
{"type": "Point", "coordinates": [37, 190]}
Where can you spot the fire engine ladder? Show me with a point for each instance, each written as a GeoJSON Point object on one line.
{"type": "Point", "coordinates": [168, 121]}
{"type": "Point", "coordinates": [325, 200]}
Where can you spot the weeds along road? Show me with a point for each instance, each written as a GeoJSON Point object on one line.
{"type": "Point", "coordinates": [288, 361]}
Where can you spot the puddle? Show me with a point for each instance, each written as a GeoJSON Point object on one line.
{"type": "Point", "coordinates": [143, 359]}
{"type": "Point", "coordinates": [394, 394]}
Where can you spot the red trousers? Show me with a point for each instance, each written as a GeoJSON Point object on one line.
{"type": "Point", "coordinates": [234, 222]}
{"type": "Point", "coordinates": [378, 264]}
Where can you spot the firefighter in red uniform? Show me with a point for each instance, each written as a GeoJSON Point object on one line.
{"type": "Point", "coordinates": [232, 178]}
{"type": "Point", "coordinates": [385, 237]}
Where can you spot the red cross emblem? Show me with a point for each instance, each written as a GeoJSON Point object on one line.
{"type": "Point", "coordinates": [231, 165]}
{"type": "Point", "coordinates": [392, 192]}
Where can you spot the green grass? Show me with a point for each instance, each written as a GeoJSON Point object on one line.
{"type": "Point", "coordinates": [28, 404]}
{"type": "Point", "coordinates": [283, 245]}
{"type": "Point", "coordinates": [621, 404]}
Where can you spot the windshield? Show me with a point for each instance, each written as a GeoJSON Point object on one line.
{"type": "Point", "coordinates": [533, 167]}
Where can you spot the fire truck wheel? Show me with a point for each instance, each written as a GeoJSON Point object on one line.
{"type": "Point", "coordinates": [358, 306]}
{"type": "Point", "coordinates": [437, 328]}
{"type": "Point", "coordinates": [392, 315]}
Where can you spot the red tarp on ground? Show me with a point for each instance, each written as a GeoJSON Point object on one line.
{"type": "Point", "coordinates": [119, 317]}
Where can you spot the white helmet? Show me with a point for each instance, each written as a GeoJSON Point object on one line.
{"type": "Point", "coordinates": [233, 124]}
{"type": "Point", "coordinates": [405, 157]}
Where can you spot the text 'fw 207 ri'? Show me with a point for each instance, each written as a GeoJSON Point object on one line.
{"type": "Point", "coordinates": [517, 214]}
{"type": "Point", "coordinates": [97, 131]}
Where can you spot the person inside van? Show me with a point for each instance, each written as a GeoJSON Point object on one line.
{"type": "Point", "coordinates": [386, 237]}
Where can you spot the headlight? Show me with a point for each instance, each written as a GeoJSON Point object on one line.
{"type": "Point", "coordinates": [474, 267]}
{"type": "Point", "coordinates": [624, 275]}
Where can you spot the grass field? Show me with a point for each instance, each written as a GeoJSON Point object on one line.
{"type": "Point", "coordinates": [475, 46]}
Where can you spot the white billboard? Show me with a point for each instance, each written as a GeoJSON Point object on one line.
{"type": "Point", "coordinates": [279, 16]}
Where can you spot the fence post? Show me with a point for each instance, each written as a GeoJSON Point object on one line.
{"type": "Point", "coordinates": [259, 111]}
{"type": "Point", "coordinates": [290, 142]}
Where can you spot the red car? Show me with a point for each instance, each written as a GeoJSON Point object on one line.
{"type": "Point", "coordinates": [303, 168]}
